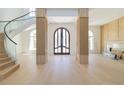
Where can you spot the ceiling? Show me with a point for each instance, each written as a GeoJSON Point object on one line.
{"type": "Point", "coordinates": [62, 19]}
{"type": "Point", "coordinates": [62, 15]}
{"type": "Point", "coordinates": [97, 16]}
{"type": "Point", "coordinates": [100, 16]}
{"type": "Point", "coordinates": [62, 12]}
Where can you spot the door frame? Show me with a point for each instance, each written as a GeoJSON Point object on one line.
{"type": "Point", "coordinates": [61, 46]}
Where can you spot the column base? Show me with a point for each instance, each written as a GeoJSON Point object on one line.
{"type": "Point", "coordinates": [83, 59]}
{"type": "Point", "coordinates": [41, 59]}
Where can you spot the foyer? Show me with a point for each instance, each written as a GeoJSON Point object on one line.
{"type": "Point", "coordinates": [62, 46]}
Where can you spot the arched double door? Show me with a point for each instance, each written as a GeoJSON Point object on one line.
{"type": "Point", "coordinates": [61, 41]}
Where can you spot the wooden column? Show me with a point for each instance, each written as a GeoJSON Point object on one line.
{"type": "Point", "coordinates": [82, 36]}
{"type": "Point", "coordinates": [41, 27]}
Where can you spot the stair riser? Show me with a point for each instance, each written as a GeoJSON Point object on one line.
{"type": "Point", "coordinates": [1, 43]}
{"type": "Point", "coordinates": [4, 60]}
{"type": "Point", "coordinates": [7, 65]}
{"type": "Point", "coordinates": [1, 46]}
{"type": "Point", "coordinates": [9, 73]}
{"type": "Point", "coordinates": [3, 56]}
{"type": "Point", "coordinates": [2, 52]}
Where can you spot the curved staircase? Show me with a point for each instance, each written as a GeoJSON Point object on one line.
{"type": "Point", "coordinates": [7, 65]}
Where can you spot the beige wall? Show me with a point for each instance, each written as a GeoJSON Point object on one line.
{"type": "Point", "coordinates": [113, 34]}
{"type": "Point", "coordinates": [121, 29]}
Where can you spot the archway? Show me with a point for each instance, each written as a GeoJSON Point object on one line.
{"type": "Point", "coordinates": [61, 41]}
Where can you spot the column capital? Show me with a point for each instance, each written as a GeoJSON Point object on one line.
{"type": "Point", "coordinates": [40, 12]}
{"type": "Point", "coordinates": [83, 12]}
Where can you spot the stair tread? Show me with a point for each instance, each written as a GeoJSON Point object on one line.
{"type": "Point", "coordinates": [2, 51]}
{"type": "Point", "coordinates": [7, 65]}
{"type": "Point", "coordinates": [4, 63]}
{"type": "Point", "coordinates": [1, 56]}
{"type": "Point", "coordinates": [8, 69]}
{"type": "Point", "coordinates": [4, 58]}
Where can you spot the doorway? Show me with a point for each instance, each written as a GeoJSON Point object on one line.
{"type": "Point", "coordinates": [61, 41]}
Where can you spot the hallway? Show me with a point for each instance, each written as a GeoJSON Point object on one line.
{"type": "Point", "coordinates": [64, 70]}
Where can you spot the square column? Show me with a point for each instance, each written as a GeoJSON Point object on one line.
{"type": "Point", "coordinates": [41, 36]}
{"type": "Point", "coordinates": [82, 36]}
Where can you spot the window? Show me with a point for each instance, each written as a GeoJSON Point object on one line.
{"type": "Point", "coordinates": [61, 41]}
{"type": "Point", "coordinates": [32, 13]}
{"type": "Point", "coordinates": [91, 41]}
{"type": "Point", "coordinates": [32, 40]}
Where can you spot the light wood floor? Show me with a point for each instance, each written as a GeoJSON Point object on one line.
{"type": "Point", "coordinates": [65, 70]}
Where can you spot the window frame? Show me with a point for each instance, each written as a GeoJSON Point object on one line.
{"type": "Point", "coordinates": [93, 42]}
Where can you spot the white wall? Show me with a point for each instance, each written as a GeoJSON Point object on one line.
{"type": "Point", "coordinates": [23, 42]}
{"type": "Point", "coordinates": [10, 13]}
{"type": "Point", "coordinates": [18, 40]}
{"type": "Point", "coordinates": [22, 39]}
{"type": "Point", "coordinates": [97, 33]}
{"type": "Point", "coordinates": [72, 29]}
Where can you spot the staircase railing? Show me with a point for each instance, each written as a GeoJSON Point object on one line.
{"type": "Point", "coordinates": [13, 25]}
